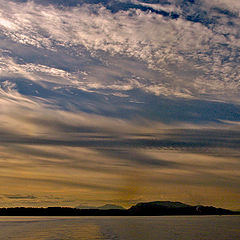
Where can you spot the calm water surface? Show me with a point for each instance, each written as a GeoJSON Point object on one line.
{"type": "Point", "coordinates": [124, 228]}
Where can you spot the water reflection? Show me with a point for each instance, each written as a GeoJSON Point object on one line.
{"type": "Point", "coordinates": [65, 231]}
{"type": "Point", "coordinates": [120, 228]}
{"type": "Point", "coordinates": [50, 229]}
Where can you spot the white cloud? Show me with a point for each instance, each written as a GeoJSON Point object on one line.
{"type": "Point", "coordinates": [180, 51]}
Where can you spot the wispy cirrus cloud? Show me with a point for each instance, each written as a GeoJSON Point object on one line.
{"type": "Point", "coordinates": [192, 58]}
{"type": "Point", "coordinates": [92, 154]}
{"type": "Point", "coordinates": [120, 100]}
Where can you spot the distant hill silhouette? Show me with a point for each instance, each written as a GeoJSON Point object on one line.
{"type": "Point", "coordinates": [157, 208]}
{"type": "Point", "coordinates": [85, 207]}
{"type": "Point", "coordinates": [104, 207]}
{"type": "Point", "coordinates": [110, 207]}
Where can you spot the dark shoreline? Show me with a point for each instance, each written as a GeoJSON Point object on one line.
{"type": "Point", "coordinates": [65, 211]}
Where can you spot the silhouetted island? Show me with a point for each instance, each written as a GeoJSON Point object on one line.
{"type": "Point", "coordinates": [157, 208]}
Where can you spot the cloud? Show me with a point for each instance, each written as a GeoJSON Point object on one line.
{"type": "Point", "coordinates": [119, 101]}
{"type": "Point", "coordinates": [17, 196]}
{"type": "Point", "coordinates": [90, 143]}
{"type": "Point", "coordinates": [194, 59]}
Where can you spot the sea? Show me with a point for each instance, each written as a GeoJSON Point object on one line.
{"type": "Point", "coordinates": [124, 228]}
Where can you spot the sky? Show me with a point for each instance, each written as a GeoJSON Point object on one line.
{"type": "Point", "coordinates": [119, 101]}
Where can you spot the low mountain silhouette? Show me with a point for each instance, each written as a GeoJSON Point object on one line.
{"type": "Point", "coordinates": [104, 207]}
{"type": "Point", "coordinates": [110, 207]}
{"type": "Point", "coordinates": [85, 207]}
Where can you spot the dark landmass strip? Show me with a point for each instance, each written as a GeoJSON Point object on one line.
{"type": "Point", "coordinates": [159, 208]}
